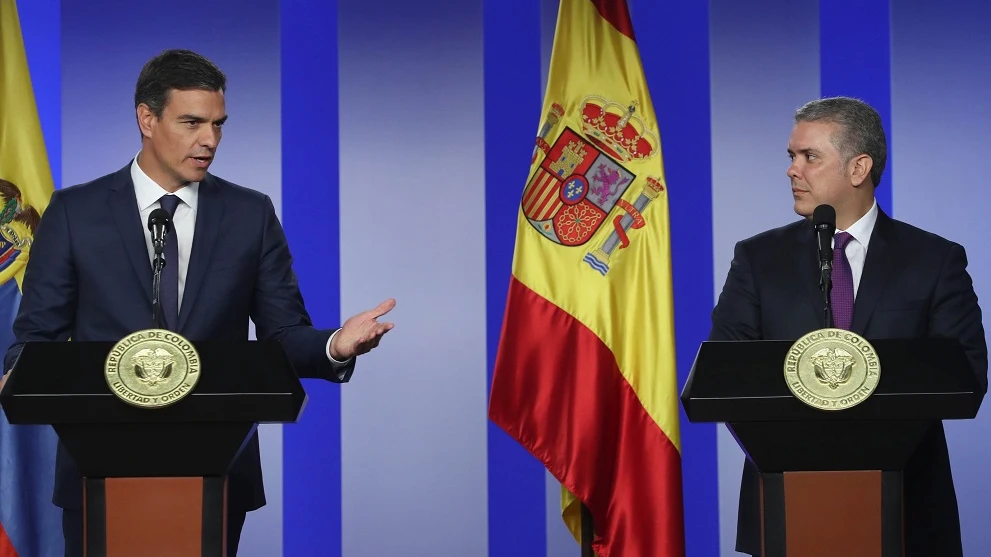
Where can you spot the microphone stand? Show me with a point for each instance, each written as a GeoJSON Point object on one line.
{"type": "Point", "coordinates": [156, 286]}
{"type": "Point", "coordinates": [826, 285]}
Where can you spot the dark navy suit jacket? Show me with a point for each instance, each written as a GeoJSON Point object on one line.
{"type": "Point", "coordinates": [89, 278]}
{"type": "Point", "coordinates": [914, 285]}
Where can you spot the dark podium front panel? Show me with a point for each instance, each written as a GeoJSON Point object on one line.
{"type": "Point", "coordinates": [816, 463]}
{"type": "Point", "coordinates": [155, 479]}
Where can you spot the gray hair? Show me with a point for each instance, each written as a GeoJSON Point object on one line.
{"type": "Point", "coordinates": [861, 131]}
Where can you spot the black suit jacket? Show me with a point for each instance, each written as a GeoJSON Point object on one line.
{"type": "Point", "coordinates": [914, 284]}
{"type": "Point", "coordinates": [89, 278]}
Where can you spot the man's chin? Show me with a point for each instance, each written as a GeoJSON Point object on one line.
{"type": "Point", "coordinates": [803, 209]}
{"type": "Point", "coordinates": [195, 175]}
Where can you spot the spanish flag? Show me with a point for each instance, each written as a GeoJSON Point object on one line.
{"type": "Point", "coordinates": [585, 373]}
{"type": "Point", "coordinates": [30, 525]}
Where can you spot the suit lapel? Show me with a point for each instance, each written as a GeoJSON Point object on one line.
{"type": "Point", "coordinates": [124, 206]}
{"type": "Point", "coordinates": [807, 254]}
{"type": "Point", "coordinates": [209, 212]}
{"type": "Point", "coordinates": [878, 268]}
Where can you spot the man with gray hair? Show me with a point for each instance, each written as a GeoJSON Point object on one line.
{"type": "Point", "coordinates": [898, 281]}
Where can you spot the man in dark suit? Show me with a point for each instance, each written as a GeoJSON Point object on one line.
{"type": "Point", "coordinates": [906, 283]}
{"type": "Point", "coordinates": [90, 270]}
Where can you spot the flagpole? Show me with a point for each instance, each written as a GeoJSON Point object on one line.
{"type": "Point", "coordinates": [587, 532]}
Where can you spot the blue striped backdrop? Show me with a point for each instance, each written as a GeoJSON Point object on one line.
{"type": "Point", "coordinates": [395, 139]}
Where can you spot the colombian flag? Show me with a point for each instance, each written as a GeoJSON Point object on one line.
{"type": "Point", "coordinates": [30, 525]}
{"type": "Point", "coordinates": [585, 373]}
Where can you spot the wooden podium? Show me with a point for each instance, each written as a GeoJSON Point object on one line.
{"type": "Point", "coordinates": [154, 479]}
{"type": "Point", "coordinates": [831, 481]}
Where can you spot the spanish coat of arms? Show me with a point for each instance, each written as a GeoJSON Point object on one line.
{"type": "Point", "coordinates": [582, 178]}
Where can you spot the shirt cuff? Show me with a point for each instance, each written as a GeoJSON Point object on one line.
{"type": "Point", "coordinates": [327, 351]}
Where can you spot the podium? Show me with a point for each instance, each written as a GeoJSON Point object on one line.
{"type": "Point", "coordinates": [154, 479]}
{"type": "Point", "coordinates": [831, 481]}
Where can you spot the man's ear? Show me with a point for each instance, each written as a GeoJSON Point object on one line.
{"type": "Point", "coordinates": [860, 169]}
{"type": "Point", "coordinates": [146, 119]}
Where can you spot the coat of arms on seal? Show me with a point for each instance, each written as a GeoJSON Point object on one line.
{"type": "Point", "coordinates": [152, 368]}
{"type": "Point", "coordinates": [832, 369]}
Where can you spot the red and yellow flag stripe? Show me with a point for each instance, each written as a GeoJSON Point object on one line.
{"type": "Point", "coordinates": [585, 374]}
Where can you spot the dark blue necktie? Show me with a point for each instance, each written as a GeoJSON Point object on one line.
{"type": "Point", "coordinates": [170, 274]}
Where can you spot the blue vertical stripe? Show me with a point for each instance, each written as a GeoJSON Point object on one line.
{"type": "Point", "coordinates": [855, 61]}
{"type": "Point", "coordinates": [673, 39]}
{"type": "Point", "coordinates": [310, 164]}
{"type": "Point", "coordinates": [513, 100]}
{"type": "Point", "coordinates": [41, 27]}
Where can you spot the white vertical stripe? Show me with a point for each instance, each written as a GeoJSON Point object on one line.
{"type": "Point", "coordinates": [765, 64]}
{"type": "Point", "coordinates": [99, 135]}
{"type": "Point", "coordinates": [412, 190]}
{"type": "Point", "coordinates": [251, 155]}
{"type": "Point", "coordinates": [560, 541]}
{"type": "Point", "coordinates": [938, 146]}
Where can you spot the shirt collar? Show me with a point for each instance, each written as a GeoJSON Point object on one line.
{"type": "Point", "coordinates": [148, 192]}
{"type": "Point", "coordinates": [863, 228]}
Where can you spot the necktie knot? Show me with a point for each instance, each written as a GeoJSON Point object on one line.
{"type": "Point", "coordinates": [842, 239]}
{"type": "Point", "coordinates": [169, 203]}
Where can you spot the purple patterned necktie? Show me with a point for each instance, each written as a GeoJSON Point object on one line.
{"type": "Point", "coordinates": [841, 295]}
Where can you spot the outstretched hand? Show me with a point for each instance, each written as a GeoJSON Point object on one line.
{"type": "Point", "coordinates": [361, 333]}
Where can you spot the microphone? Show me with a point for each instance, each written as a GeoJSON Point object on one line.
{"type": "Point", "coordinates": [159, 223]}
{"type": "Point", "coordinates": [824, 222]}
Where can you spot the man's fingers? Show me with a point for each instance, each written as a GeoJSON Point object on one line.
{"type": "Point", "coordinates": [377, 332]}
{"type": "Point", "coordinates": [383, 308]}
{"type": "Point", "coordinates": [373, 335]}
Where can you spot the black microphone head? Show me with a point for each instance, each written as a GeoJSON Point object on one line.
{"type": "Point", "coordinates": [824, 217]}
{"type": "Point", "coordinates": [824, 221]}
{"type": "Point", "coordinates": [159, 217]}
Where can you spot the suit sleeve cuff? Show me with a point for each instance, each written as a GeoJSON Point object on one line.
{"type": "Point", "coordinates": [331, 358]}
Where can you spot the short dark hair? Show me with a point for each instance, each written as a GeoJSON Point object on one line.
{"type": "Point", "coordinates": [861, 131]}
{"type": "Point", "coordinates": [178, 69]}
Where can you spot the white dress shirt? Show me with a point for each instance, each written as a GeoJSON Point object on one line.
{"type": "Point", "coordinates": [856, 248]}
{"type": "Point", "coordinates": [148, 193]}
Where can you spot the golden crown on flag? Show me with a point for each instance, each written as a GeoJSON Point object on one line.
{"type": "Point", "coordinates": [617, 129]}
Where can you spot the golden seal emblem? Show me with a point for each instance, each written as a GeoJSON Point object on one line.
{"type": "Point", "coordinates": [152, 368]}
{"type": "Point", "coordinates": [832, 369]}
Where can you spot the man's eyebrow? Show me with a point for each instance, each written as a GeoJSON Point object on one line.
{"type": "Point", "coordinates": [195, 118]}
